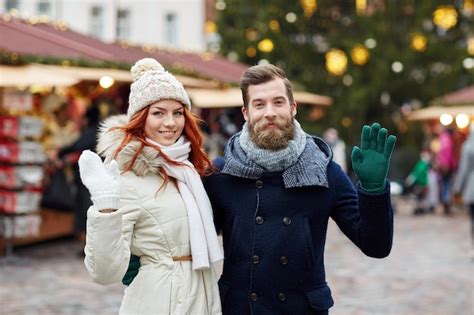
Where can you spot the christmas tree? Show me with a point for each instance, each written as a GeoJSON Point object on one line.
{"type": "Point", "coordinates": [377, 59]}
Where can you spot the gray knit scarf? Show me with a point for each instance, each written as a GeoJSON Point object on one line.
{"type": "Point", "coordinates": [301, 167]}
{"type": "Point", "coordinates": [270, 160]}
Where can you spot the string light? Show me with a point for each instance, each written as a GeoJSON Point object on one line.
{"type": "Point", "coordinates": [446, 119]}
{"type": "Point", "coordinates": [445, 16]}
{"type": "Point", "coordinates": [265, 45]}
{"type": "Point", "coordinates": [418, 42]}
{"type": "Point", "coordinates": [336, 62]}
{"type": "Point", "coordinates": [309, 7]}
{"type": "Point", "coordinates": [360, 55]}
{"type": "Point", "coordinates": [470, 45]}
{"type": "Point", "coordinates": [361, 6]}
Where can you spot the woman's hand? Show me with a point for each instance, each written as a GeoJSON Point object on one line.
{"type": "Point", "coordinates": [102, 180]}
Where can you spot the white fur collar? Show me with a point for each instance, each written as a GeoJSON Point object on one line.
{"type": "Point", "coordinates": [108, 141]}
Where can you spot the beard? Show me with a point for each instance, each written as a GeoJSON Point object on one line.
{"type": "Point", "coordinates": [275, 138]}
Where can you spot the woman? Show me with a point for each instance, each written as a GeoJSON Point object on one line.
{"type": "Point", "coordinates": [148, 200]}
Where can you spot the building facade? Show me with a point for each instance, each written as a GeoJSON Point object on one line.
{"type": "Point", "coordinates": [178, 24]}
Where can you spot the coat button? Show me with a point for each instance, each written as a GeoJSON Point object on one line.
{"type": "Point", "coordinates": [255, 259]}
{"type": "Point", "coordinates": [259, 220]}
{"type": "Point", "coordinates": [253, 296]}
{"type": "Point", "coordinates": [286, 220]}
{"type": "Point", "coordinates": [282, 297]}
{"type": "Point", "coordinates": [259, 184]}
{"type": "Point", "coordinates": [284, 260]}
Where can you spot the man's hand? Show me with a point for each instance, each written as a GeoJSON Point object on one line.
{"type": "Point", "coordinates": [102, 180]}
{"type": "Point", "coordinates": [132, 270]}
{"type": "Point", "coordinates": [371, 161]}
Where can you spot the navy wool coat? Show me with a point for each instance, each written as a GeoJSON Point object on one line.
{"type": "Point", "coordinates": [274, 238]}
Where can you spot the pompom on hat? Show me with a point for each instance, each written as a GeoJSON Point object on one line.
{"type": "Point", "coordinates": [152, 83]}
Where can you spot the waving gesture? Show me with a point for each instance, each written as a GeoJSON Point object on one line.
{"type": "Point", "coordinates": [371, 161]}
{"type": "Point", "coordinates": [102, 180]}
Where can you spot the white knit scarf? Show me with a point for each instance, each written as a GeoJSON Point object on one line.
{"type": "Point", "coordinates": [205, 247]}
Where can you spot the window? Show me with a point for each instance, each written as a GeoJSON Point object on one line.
{"type": "Point", "coordinates": [123, 24]}
{"type": "Point", "coordinates": [96, 26]}
{"type": "Point", "coordinates": [171, 29]}
{"type": "Point", "coordinates": [11, 4]}
{"type": "Point", "coordinates": [44, 7]}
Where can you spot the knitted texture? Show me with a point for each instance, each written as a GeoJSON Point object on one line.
{"type": "Point", "coordinates": [372, 160]}
{"type": "Point", "coordinates": [274, 161]}
{"type": "Point", "coordinates": [310, 168]}
{"type": "Point", "coordinates": [102, 180]}
{"type": "Point", "coordinates": [152, 84]}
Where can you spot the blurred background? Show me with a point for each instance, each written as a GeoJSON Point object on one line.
{"type": "Point", "coordinates": [64, 67]}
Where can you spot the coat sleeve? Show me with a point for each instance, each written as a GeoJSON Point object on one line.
{"type": "Point", "coordinates": [463, 171]}
{"type": "Point", "coordinates": [108, 239]}
{"type": "Point", "coordinates": [365, 218]}
{"type": "Point", "coordinates": [210, 183]}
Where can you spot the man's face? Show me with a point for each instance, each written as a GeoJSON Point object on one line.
{"type": "Point", "coordinates": [270, 115]}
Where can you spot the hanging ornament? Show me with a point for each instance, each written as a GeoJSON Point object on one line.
{"type": "Point", "coordinates": [360, 55]}
{"type": "Point", "coordinates": [445, 16]}
{"type": "Point", "coordinates": [274, 25]}
{"type": "Point", "coordinates": [336, 62]}
{"type": "Point", "coordinates": [309, 7]}
{"type": "Point", "coordinates": [418, 42]}
{"type": "Point", "coordinates": [251, 52]}
{"type": "Point", "coordinates": [251, 34]}
{"type": "Point", "coordinates": [468, 7]}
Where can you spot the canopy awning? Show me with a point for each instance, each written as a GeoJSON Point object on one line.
{"type": "Point", "coordinates": [435, 112]}
{"type": "Point", "coordinates": [232, 97]}
{"type": "Point", "coordinates": [18, 76]}
{"type": "Point", "coordinates": [50, 75]}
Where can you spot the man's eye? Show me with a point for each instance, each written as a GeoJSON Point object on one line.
{"type": "Point", "coordinates": [259, 105]}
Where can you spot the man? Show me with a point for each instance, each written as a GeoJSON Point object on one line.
{"type": "Point", "coordinates": [272, 198]}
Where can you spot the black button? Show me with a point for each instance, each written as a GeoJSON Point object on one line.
{"type": "Point", "coordinates": [284, 260]}
{"type": "Point", "coordinates": [259, 220]}
{"type": "Point", "coordinates": [282, 297]}
{"type": "Point", "coordinates": [253, 296]}
{"type": "Point", "coordinates": [259, 184]}
{"type": "Point", "coordinates": [255, 259]}
{"type": "Point", "coordinates": [286, 220]}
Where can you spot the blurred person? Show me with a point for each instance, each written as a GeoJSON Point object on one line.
{"type": "Point", "coordinates": [87, 140]}
{"type": "Point", "coordinates": [417, 182]}
{"type": "Point", "coordinates": [464, 180]}
{"type": "Point", "coordinates": [149, 201]}
{"type": "Point", "coordinates": [446, 165]}
{"type": "Point", "coordinates": [338, 147]}
{"type": "Point", "coordinates": [272, 199]}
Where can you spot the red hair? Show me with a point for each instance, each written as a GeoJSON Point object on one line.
{"type": "Point", "coordinates": [135, 130]}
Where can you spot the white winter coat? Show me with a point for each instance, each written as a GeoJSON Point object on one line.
{"type": "Point", "coordinates": [153, 225]}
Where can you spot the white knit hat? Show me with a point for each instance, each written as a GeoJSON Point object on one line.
{"type": "Point", "coordinates": [152, 83]}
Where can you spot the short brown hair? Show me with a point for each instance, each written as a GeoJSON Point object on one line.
{"type": "Point", "coordinates": [261, 74]}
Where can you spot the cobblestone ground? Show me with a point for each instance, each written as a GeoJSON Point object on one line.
{"type": "Point", "coordinates": [430, 271]}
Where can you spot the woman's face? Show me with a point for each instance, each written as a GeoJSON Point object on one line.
{"type": "Point", "coordinates": [165, 122]}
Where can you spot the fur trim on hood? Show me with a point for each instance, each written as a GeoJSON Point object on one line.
{"type": "Point", "coordinates": [109, 140]}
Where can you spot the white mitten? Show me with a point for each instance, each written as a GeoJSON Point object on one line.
{"type": "Point", "coordinates": [102, 180]}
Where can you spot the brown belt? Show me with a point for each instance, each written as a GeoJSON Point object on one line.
{"type": "Point", "coordinates": [183, 258]}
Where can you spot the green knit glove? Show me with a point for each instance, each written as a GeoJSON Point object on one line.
{"type": "Point", "coordinates": [132, 270]}
{"type": "Point", "coordinates": [372, 160]}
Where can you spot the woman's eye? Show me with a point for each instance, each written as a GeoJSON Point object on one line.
{"type": "Point", "coordinates": [158, 114]}
{"type": "Point", "coordinates": [178, 114]}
